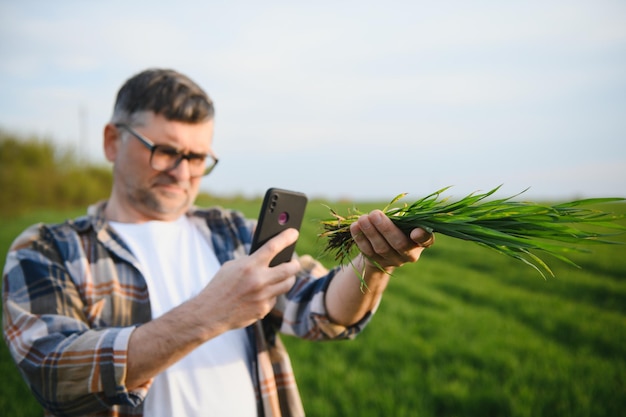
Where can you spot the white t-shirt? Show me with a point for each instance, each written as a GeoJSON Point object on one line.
{"type": "Point", "coordinates": [213, 380]}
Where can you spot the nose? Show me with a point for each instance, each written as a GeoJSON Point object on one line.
{"type": "Point", "coordinates": [181, 170]}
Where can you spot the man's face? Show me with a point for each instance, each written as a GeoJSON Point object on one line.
{"type": "Point", "coordinates": [146, 194]}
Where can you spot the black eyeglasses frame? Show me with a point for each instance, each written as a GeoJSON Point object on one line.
{"type": "Point", "coordinates": [152, 147]}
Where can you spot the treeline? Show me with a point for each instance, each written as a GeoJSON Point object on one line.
{"type": "Point", "coordinates": [36, 174]}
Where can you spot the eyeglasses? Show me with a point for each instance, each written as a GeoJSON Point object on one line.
{"type": "Point", "coordinates": [165, 158]}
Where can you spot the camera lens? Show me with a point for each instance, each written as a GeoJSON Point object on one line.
{"type": "Point", "coordinates": [283, 218]}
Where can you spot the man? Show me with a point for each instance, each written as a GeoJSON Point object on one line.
{"type": "Point", "coordinates": [150, 306]}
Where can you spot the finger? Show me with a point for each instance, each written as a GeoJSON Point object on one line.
{"type": "Point", "coordinates": [362, 231]}
{"type": "Point", "coordinates": [384, 235]}
{"type": "Point", "coordinates": [275, 245]}
{"type": "Point", "coordinates": [280, 284]}
{"type": "Point", "coordinates": [376, 235]}
{"type": "Point", "coordinates": [285, 270]}
{"type": "Point", "coordinates": [422, 238]}
{"type": "Point", "coordinates": [391, 234]}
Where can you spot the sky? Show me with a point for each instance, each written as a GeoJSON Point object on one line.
{"type": "Point", "coordinates": [352, 100]}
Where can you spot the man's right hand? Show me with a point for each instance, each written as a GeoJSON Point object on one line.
{"type": "Point", "coordinates": [243, 291]}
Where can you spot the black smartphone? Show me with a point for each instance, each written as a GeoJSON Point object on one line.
{"type": "Point", "coordinates": [281, 209]}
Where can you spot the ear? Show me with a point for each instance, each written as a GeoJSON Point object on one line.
{"type": "Point", "coordinates": [112, 142]}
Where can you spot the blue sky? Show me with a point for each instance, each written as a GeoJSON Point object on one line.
{"type": "Point", "coordinates": [346, 99]}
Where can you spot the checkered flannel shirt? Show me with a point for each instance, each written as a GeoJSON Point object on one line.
{"type": "Point", "coordinates": [73, 294]}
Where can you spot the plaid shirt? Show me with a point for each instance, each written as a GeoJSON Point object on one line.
{"type": "Point", "coordinates": [73, 294]}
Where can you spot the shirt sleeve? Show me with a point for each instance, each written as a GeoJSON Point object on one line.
{"type": "Point", "coordinates": [71, 368]}
{"type": "Point", "coordinates": [302, 311]}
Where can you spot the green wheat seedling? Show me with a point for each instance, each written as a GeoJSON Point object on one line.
{"type": "Point", "coordinates": [521, 230]}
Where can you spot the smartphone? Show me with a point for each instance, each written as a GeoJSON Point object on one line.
{"type": "Point", "coordinates": [281, 209]}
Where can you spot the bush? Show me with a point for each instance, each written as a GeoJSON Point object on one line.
{"type": "Point", "coordinates": [36, 173]}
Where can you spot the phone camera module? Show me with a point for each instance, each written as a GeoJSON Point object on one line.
{"type": "Point", "coordinates": [283, 218]}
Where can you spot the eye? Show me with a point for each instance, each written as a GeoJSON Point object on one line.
{"type": "Point", "coordinates": [167, 151]}
{"type": "Point", "coordinates": [196, 158]}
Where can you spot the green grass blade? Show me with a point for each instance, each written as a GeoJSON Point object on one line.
{"type": "Point", "coordinates": [517, 229]}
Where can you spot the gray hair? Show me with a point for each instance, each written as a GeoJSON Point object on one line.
{"type": "Point", "coordinates": [165, 92]}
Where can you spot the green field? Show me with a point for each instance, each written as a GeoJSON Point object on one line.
{"type": "Point", "coordinates": [464, 332]}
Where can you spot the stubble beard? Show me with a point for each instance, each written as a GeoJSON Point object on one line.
{"type": "Point", "coordinates": [160, 202]}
